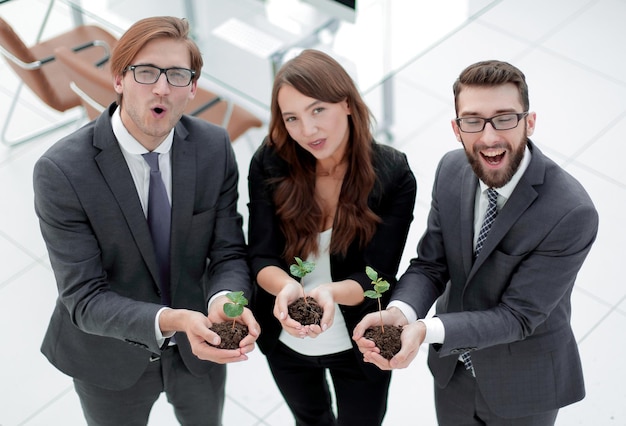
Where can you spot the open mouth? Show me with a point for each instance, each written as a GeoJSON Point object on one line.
{"type": "Point", "coordinates": [158, 111]}
{"type": "Point", "coordinates": [493, 158]}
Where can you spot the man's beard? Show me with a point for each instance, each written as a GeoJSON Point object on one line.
{"type": "Point", "coordinates": [498, 178]}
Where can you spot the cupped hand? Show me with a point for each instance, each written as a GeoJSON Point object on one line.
{"type": "Point", "coordinates": [289, 294]}
{"type": "Point", "coordinates": [201, 338]}
{"type": "Point", "coordinates": [217, 315]}
{"type": "Point", "coordinates": [324, 297]}
{"type": "Point", "coordinates": [371, 353]}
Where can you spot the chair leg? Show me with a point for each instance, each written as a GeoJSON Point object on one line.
{"type": "Point", "coordinates": [29, 137]}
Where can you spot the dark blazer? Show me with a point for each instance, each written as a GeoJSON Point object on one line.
{"type": "Point", "coordinates": [511, 307]}
{"type": "Point", "coordinates": [102, 329]}
{"type": "Point", "coordinates": [392, 199]}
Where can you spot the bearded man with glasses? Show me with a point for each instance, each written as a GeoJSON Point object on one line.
{"type": "Point", "coordinates": [139, 213]}
{"type": "Point", "coordinates": [506, 236]}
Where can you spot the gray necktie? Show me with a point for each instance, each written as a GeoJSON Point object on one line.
{"type": "Point", "coordinates": [490, 216]}
{"type": "Point", "coordinates": [159, 221]}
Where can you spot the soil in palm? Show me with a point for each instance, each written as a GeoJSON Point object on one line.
{"type": "Point", "coordinates": [388, 342]}
{"type": "Point", "coordinates": [230, 336]}
{"type": "Point", "coordinates": [306, 313]}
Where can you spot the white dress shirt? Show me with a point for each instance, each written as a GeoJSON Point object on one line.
{"type": "Point", "coordinates": [132, 151]}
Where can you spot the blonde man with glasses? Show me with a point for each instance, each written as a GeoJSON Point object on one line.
{"type": "Point", "coordinates": [139, 213]}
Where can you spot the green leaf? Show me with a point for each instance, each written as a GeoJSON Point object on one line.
{"type": "Point", "coordinates": [371, 273]}
{"type": "Point", "coordinates": [295, 271]}
{"type": "Point", "coordinates": [237, 297]}
{"type": "Point", "coordinates": [301, 268]}
{"type": "Point", "coordinates": [233, 310]}
{"type": "Point", "coordinates": [381, 286]}
{"type": "Point", "coordinates": [372, 294]}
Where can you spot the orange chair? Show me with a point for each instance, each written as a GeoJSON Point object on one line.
{"type": "Point", "coordinates": [95, 88]}
{"type": "Point", "coordinates": [38, 69]}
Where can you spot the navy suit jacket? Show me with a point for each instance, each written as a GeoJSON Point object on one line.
{"type": "Point", "coordinates": [511, 307]}
{"type": "Point", "coordinates": [102, 327]}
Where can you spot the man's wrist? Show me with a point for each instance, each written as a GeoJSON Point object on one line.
{"type": "Point", "coordinates": [435, 331]}
{"type": "Point", "coordinates": [159, 334]}
{"type": "Point", "coordinates": [405, 308]}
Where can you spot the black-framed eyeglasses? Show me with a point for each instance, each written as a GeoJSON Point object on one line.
{"type": "Point", "coordinates": [149, 74]}
{"type": "Point", "coordinates": [499, 122]}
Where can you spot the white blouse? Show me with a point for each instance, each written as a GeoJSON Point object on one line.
{"type": "Point", "coordinates": [336, 338]}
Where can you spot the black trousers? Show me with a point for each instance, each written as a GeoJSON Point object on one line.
{"type": "Point", "coordinates": [461, 404]}
{"type": "Point", "coordinates": [301, 379]}
{"type": "Point", "coordinates": [196, 400]}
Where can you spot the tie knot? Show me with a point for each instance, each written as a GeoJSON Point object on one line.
{"type": "Point", "coordinates": [152, 158]}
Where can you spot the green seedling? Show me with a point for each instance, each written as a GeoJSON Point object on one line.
{"type": "Point", "coordinates": [235, 309]}
{"type": "Point", "coordinates": [380, 286]}
{"type": "Point", "coordinates": [300, 269]}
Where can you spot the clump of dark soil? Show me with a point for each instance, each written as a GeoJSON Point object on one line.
{"type": "Point", "coordinates": [306, 313]}
{"type": "Point", "coordinates": [230, 337]}
{"type": "Point", "coordinates": [388, 342]}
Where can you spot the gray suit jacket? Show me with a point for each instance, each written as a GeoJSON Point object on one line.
{"type": "Point", "coordinates": [511, 307]}
{"type": "Point", "coordinates": [102, 329]}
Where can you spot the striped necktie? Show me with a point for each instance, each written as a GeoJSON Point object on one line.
{"type": "Point", "coordinates": [490, 216]}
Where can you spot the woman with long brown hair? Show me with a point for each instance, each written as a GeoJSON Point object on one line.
{"type": "Point", "coordinates": [323, 190]}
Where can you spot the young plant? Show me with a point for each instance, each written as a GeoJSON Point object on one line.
{"type": "Point", "coordinates": [235, 309]}
{"type": "Point", "coordinates": [380, 286]}
{"type": "Point", "coordinates": [300, 269]}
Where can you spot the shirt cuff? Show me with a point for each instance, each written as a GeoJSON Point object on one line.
{"type": "Point", "coordinates": [435, 331]}
{"type": "Point", "coordinates": [215, 296]}
{"type": "Point", "coordinates": [160, 337]}
{"type": "Point", "coordinates": [405, 308]}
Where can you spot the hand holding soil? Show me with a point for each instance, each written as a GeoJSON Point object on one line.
{"type": "Point", "coordinates": [386, 339]}
{"type": "Point", "coordinates": [305, 309]}
{"type": "Point", "coordinates": [231, 333]}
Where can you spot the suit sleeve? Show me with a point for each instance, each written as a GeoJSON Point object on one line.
{"type": "Point", "coordinates": [538, 293]}
{"type": "Point", "coordinates": [228, 267]}
{"type": "Point", "coordinates": [76, 260]}
{"type": "Point", "coordinates": [265, 237]}
{"type": "Point", "coordinates": [393, 201]}
{"type": "Point", "coordinates": [426, 277]}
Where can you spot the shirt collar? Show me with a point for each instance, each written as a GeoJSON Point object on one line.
{"type": "Point", "coordinates": [129, 143]}
{"type": "Point", "coordinates": [506, 190]}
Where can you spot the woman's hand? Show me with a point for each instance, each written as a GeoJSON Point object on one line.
{"type": "Point", "coordinates": [289, 294]}
{"type": "Point", "coordinates": [324, 296]}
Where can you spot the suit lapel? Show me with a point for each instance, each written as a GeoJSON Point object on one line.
{"type": "Point", "coordinates": [468, 194]}
{"type": "Point", "coordinates": [115, 172]}
{"type": "Point", "coordinates": [183, 192]}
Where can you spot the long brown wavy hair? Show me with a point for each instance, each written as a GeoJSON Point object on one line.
{"type": "Point", "coordinates": [318, 76]}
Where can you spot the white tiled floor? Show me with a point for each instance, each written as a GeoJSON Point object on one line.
{"type": "Point", "coordinates": [572, 52]}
